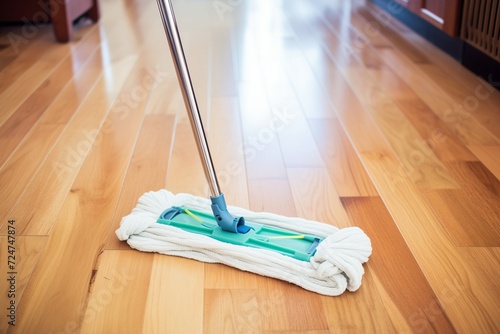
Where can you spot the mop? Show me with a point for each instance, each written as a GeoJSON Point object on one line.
{"type": "Point", "coordinates": [313, 255]}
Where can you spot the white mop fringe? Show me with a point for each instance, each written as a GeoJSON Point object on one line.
{"type": "Point", "coordinates": [336, 266]}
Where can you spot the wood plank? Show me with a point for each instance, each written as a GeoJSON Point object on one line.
{"type": "Point", "coordinates": [316, 198]}
{"type": "Point", "coordinates": [296, 140]}
{"type": "Point", "coordinates": [44, 135]}
{"type": "Point", "coordinates": [374, 25]}
{"type": "Point", "coordinates": [64, 161]}
{"type": "Point", "coordinates": [223, 64]}
{"type": "Point", "coordinates": [430, 127]}
{"type": "Point", "coordinates": [231, 311]}
{"type": "Point", "coordinates": [21, 53]}
{"type": "Point", "coordinates": [399, 322]}
{"type": "Point", "coordinates": [471, 214]}
{"type": "Point", "coordinates": [21, 89]}
{"type": "Point", "coordinates": [489, 156]}
{"type": "Point", "coordinates": [418, 161]}
{"type": "Point", "coordinates": [26, 254]}
{"type": "Point", "coordinates": [418, 113]}
{"type": "Point", "coordinates": [467, 225]}
{"type": "Point", "coordinates": [485, 260]}
{"type": "Point", "coordinates": [218, 276]}
{"type": "Point", "coordinates": [185, 172]}
{"type": "Point", "coordinates": [388, 187]}
{"type": "Point", "coordinates": [175, 304]}
{"type": "Point", "coordinates": [460, 76]}
{"type": "Point", "coordinates": [260, 145]}
{"type": "Point", "coordinates": [446, 71]}
{"type": "Point", "coordinates": [406, 284]}
{"type": "Point", "coordinates": [476, 179]}
{"type": "Point", "coordinates": [263, 157]}
{"type": "Point", "coordinates": [288, 123]}
{"type": "Point", "coordinates": [451, 111]}
{"type": "Point", "coordinates": [288, 116]}
{"type": "Point", "coordinates": [21, 122]}
{"type": "Point", "coordinates": [148, 164]}
{"type": "Point", "coordinates": [76, 91]}
{"type": "Point", "coordinates": [371, 315]}
{"type": "Point", "coordinates": [226, 146]}
{"type": "Point", "coordinates": [286, 307]}
{"type": "Point", "coordinates": [244, 55]}
{"type": "Point", "coordinates": [343, 165]}
{"type": "Point", "coordinates": [79, 233]}
{"type": "Point", "coordinates": [478, 102]}
{"type": "Point", "coordinates": [277, 300]}
{"type": "Point", "coordinates": [120, 278]}
{"type": "Point", "coordinates": [485, 285]}
{"type": "Point", "coordinates": [31, 154]}
{"type": "Point", "coordinates": [14, 180]}
{"type": "Point", "coordinates": [347, 106]}
{"type": "Point", "coordinates": [299, 332]}
{"type": "Point", "coordinates": [131, 27]}
{"type": "Point", "coordinates": [162, 84]}
{"type": "Point", "coordinates": [152, 151]}
{"type": "Point", "coordinates": [443, 267]}
{"type": "Point", "coordinates": [309, 89]}
{"type": "Point", "coordinates": [271, 195]}
{"type": "Point", "coordinates": [440, 139]}
{"type": "Point", "coordinates": [14, 45]}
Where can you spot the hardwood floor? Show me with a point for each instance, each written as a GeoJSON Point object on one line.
{"type": "Point", "coordinates": [326, 110]}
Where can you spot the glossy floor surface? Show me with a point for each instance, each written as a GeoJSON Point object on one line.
{"type": "Point", "coordinates": [328, 110]}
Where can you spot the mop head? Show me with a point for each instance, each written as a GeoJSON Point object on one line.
{"type": "Point", "coordinates": [336, 265]}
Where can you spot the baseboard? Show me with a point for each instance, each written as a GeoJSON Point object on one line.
{"type": "Point", "coordinates": [482, 65]}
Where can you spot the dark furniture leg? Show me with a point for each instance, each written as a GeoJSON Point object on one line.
{"type": "Point", "coordinates": [64, 12]}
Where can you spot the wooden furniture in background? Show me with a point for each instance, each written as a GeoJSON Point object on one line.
{"type": "Point", "coordinates": [444, 14]}
{"type": "Point", "coordinates": [25, 11]}
{"type": "Point", "coordinates": [61, 13]}
{"type": "Point", "coordinates": [64, 12]}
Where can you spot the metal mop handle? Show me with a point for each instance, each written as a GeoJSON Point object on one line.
{"type": "Point", "coordinates": [175, 44]}
{"type": "Point", "coordinates": [224, 219]}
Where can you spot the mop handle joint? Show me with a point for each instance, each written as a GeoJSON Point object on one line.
{"type": "Point", "coordinates": [225, 220]}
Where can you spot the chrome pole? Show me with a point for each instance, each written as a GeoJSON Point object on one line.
{"type": "Point", "coordinates": [174, 41]}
